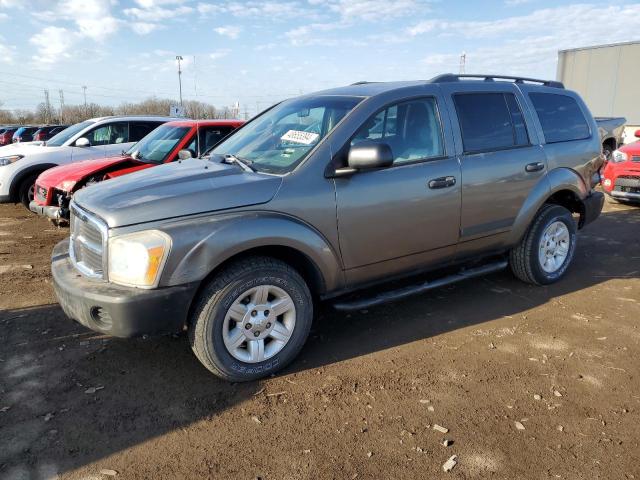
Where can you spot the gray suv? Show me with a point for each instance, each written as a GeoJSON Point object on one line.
{"type": "Point", "coordinates": [330, 193]}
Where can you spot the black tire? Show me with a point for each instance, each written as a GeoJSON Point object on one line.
{"type": "Point", "coordinates": [210, 307]}
{"type": "Point", "coordinates": [26, 190]}
{"type": "Point", "coordinates": [523, 258]}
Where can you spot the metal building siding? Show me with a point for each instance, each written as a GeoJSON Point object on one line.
{"type": "Point", "coordinates": [607, 77]}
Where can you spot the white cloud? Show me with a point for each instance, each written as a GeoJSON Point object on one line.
{"type": "Point", "coordinates": [515, 3]}
{"type": "Point", "coordinates": [6, 51]}
{"type": "Point", "coordinates": [156, 13]}
{"type": "Point", "coordinates": [92, 17]}
{"type": "Point", "coordinates": [52, 43]}
{"type": "Point", "coordinates": [373, 10]}
{"type": "Point", "coordinates": [218, 54]}
{"type": "Point", "coordinates": [272, 10]}
{"type": "Point", "coordinates": [528, 44]}
{"type": "Point", "coordinates": [144, 28]}
{"type": "Point", "coordinates": [231, 31]}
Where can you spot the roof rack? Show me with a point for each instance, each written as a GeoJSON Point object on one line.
{"type": "Point", "coordinates": [451, 77]}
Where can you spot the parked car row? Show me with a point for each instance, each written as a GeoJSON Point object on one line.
{"type": "Point", "coordinates": [238, 230]}
{"type": "Point", "coordinates": [28, 133]}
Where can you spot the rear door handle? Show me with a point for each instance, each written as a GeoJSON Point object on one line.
{"type": "Point", "coordinates": [442, 182]}
{"type": "Point", "coordinates": [534, 167]}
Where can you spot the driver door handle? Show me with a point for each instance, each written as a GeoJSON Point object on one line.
{"type": "Point", "coordinates": [534, 167]}
{"type": "Point", "coordinates": [442, 182]}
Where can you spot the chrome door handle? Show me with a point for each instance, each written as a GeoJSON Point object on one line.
{"type": "Point", "coordinates": [534, 167]}
{"type": "Point", "coordinates": [442, 182]}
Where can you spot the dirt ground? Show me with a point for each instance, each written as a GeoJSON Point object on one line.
{"type": "Point", "coordinates": [531, 382]}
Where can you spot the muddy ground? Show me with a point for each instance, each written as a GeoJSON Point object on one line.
{"type": "Point", "coordinates": [362, 399]}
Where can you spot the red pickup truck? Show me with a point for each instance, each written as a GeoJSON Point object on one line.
{"type": "Point", "coordinates": [55, 187]}
{"type": "Point", "coordinates": [621, 174]}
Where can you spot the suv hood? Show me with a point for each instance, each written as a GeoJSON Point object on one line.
{"type": "Point", "coordinates": [26, 149]}
{"type": "Point", "coordinates": [174, 190]}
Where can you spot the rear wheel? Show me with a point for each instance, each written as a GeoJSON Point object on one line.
{"type": "Point", "coordinates": [26, 190]}
{"type": "Point", "coordinates": [545, 252]}
{"type": "Point", "coordinates": [251, 320]}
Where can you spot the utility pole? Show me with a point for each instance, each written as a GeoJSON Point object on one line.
{"type": "Point", "coordinates": [84, 92]}
{"type": "Point", "coordinates": [195, 80]}
{"type": "Point", "coordinates": [463, 61]}
{"type": "Point", "coordinates": [61, 106]}
{"type": "Point", "coordinates": [47, 106]}
{"type": "Point", "coordinates": [179, 58]}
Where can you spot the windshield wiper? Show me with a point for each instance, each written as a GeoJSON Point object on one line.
{"type": "Point", "coordinates": [244, 164]}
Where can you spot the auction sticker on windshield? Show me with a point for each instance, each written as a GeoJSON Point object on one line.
{"type": "Point", "coordinates": [297, 136]}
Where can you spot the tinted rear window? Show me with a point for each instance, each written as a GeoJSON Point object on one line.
{"type": "Point", "coordinates": [560, 117]}
{"type": "Point", "coordinates": [490, 121]}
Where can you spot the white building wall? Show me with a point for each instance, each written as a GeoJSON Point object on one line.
{"type": "Point", "coordinates": [608, 79]}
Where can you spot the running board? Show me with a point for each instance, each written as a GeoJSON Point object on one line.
{"type": "Point", "coordinates": [404, 292]}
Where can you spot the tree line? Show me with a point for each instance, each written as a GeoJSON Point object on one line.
{"type": "Point", "coordinates": [70, 114]}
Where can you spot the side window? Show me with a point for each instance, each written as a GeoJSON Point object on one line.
{"type": "Point", "coordinates": [560, 117]}
{"type": "Point", "coordinates": [209, 136]}
{"type": "Point", "coordinates": [412, 129]}
{"type": "Point", "coordinates": [139, 130]}
{"type": "Point", "coordinates": [490, 121]}
{"type": "Point", "coordinates": [117, 132]}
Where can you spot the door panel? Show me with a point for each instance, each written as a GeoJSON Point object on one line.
{"type": "Point", "coordinates": [392, 213]}
{"type": "Point", "coordinates": [495, 185]}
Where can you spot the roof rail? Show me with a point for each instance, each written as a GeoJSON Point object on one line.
{"type": "Point", "coordinates": [361, 82]}
{"type": "Point", "coordinates": [452, 77]}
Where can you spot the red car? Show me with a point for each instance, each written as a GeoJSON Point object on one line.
{"type": "Point", "coordinates": [55, 187]}
{"type": "Point", "coordinates": [621, 174]}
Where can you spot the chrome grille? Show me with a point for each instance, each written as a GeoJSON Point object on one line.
{"type": "Point", "coordinates": [635, 158]}
{"type": "Point", "coordinates": [86, 244]}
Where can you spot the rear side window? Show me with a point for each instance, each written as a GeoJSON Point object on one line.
{"type": "Point", "coordinates": [111, 133]}
{"type": "Point", "coordinates": [139, 130]}
{"type": "Point", "coordinates": [560, 117]}
{"type": "Point", "coordinates": [210, 136]}
{"type": "Point", "coordinates": [412, 129]}
{"type": "Point", "coordinates": [490, 121]}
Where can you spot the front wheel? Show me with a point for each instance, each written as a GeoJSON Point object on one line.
{"type": "Point", "coordinates": [251, 320]}
{"type": "Point", "coordinates": [26, 190]}
{"type": "Point", "coordinates": [545, 252]}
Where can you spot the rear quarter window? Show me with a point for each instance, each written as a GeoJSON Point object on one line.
{"type": "Point", "coordinates": [560, 116]}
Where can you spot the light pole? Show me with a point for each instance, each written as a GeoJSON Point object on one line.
{"type": "Point", "coordinates": [179, 58]}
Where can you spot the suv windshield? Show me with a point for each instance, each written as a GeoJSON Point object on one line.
{"type": "Point", "coordinates": [155, 147]}
{"type": "Point", "coordinates": [67, 133]}
{"type": "Point", "coordinates": [282, 137]}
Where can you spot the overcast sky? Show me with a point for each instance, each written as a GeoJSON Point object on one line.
{"type": "Point", "coordinates": [259, 52]}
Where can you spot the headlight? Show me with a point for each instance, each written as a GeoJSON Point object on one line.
{"type": "Point", "coordinates": [137, 259]}
{"type": "Point", "coordinates": [617, 156]}
{"type": "Point", "coordinates": [10, 159]}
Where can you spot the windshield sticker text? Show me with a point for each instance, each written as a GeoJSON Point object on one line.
{"type": "Point", "coordinates": [297, 136]}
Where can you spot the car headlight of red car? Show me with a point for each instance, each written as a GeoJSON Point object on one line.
{"type": "Point", "coordinates": [617, 156]}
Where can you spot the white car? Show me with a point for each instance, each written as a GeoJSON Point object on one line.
{"type": "Point", "coordinates": [20, 164]}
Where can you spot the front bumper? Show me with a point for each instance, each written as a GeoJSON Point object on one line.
{"type": "Point", "coordinates": [49, 211]}
{"type": "Point", "coordinates": [625, 195]}
{"type": "Point", "coordinates": [116, 310]}
{"type": "Point", "coordinates": [592, 208]}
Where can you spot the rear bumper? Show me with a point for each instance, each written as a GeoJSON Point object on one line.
{"type": "Point", "coordinates": [116, 310]}
{"type": "Point", "coordinates": [49, 211]}
{"type": "Point", "coordinates": [592, 207]}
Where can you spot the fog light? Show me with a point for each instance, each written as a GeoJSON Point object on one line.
{"type": "Point", "coordinates": [607, 182]}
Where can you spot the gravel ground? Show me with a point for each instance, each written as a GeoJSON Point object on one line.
{"type": "Point", "coordinates": [530, 382]}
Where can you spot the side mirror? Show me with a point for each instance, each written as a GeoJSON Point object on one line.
{"type": "Point", "coordinates": [367, 155]}
{"type": "Point", "coordinates": [184, 155]}
{"type": "Point", "coordinates": [637, 134]}
{"type": "Point", "coordinates": [83, 142]}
